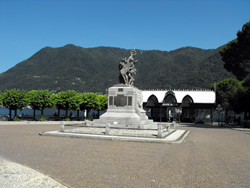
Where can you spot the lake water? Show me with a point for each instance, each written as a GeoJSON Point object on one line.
{"type": "Point", "coordinates": [47, 112]}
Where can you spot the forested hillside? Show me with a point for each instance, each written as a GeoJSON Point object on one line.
{"type": "Point", "coordinates": [96, 69]}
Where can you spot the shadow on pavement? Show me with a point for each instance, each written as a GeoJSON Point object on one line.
{"type": "Point", "coordinates": [209, 126]}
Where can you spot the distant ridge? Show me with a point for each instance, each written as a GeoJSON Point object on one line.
{"type": "Point", "coordinates": [96, 69]}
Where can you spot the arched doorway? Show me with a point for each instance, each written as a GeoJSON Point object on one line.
{"type": "Point", "coordinates": [169, 105]}
{"type": "Point", "coordinates": [188, 110]}
{"type": "Point", "coordinates": [152, 108]}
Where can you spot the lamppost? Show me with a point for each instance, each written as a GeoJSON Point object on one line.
{"type": "Point", "coordinates": [219, 110]}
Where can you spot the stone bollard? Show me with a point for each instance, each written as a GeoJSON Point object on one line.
{"type": "Point", "coordinates": [62, 126]}
{"type": "Point", "coordinates": [169, 128]}
{"type": "Point", "coordinates": [159, 126]}
{"type": "Point", "coordinates": [174, 124]}
{"type": "Point", "coordinates": [107, 129]}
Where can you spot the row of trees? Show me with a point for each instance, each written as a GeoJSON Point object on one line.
{"type": "Point", "coordinates": [15, 99]}
{"type": "Point", "coordinates": [232, 93]}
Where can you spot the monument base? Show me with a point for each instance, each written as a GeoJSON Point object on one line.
{"type": "Point", "coordinates": [124, 110]}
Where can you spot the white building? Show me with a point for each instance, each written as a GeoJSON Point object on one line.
{"type": "Point", "coordinates": [184, 105]}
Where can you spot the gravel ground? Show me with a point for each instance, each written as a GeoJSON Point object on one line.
{"type": "Point", "coordinates": [209, 157]}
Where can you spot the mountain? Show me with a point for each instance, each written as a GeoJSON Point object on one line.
{"type": "Point", "coordinates": [96, 69]}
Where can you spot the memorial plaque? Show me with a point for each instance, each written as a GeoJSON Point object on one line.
{"type": "Point", "coordinates": [130, 101]}
{"type": "Point", "coordinates": [120, 89]}
{"type": "Point", "coordinates": [111, 100]}
{"type": "Point", "coordinates": [120, 100]}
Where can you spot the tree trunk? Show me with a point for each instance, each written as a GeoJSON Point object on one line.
{"type": "Point", "coordinates": [34, 113]}
{"type": "Point", "coordinates": [15, 112]}
{"type": "Point", "coordinates": [42, 112]}
{"type": "Point", "coordinates": [78, 112]}
{"type": "Point", "coordinates": [226, 117]}
{"type": "Point", "coordinates": [66, 113]}
{"type": "Point", "coordinates": [98, 114]}
{"type": "Point", "coordinates": [10, 113]}
{"type": "Point", "coordinates": [87, 116]}
{"type": "Point", "coordinates": [58, 112]}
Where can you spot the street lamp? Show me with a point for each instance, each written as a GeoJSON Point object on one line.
{"type": "Point", "coordinates": [219, 110]}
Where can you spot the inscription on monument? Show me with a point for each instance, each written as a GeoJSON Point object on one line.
{"type": "Point", "coordinates": [111, 100]}
{"type": "Point", "coordinates": [130, 101]}
{"type": "Point", "coordinates": [120, 100]}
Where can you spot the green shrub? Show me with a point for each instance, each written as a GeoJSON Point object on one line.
{"type": "Point", "coordinates": [66, 119]}
{"type": "Point", "coordinates": [16, 119]}
{"type": "Point", "coordinates": [42, 119]}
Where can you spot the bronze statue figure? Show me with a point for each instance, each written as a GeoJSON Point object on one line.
{"type": "Point", "coordinates": [127, 69]}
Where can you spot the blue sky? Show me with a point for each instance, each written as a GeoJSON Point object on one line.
{"type": "Point", "coordinates": [26, 26]}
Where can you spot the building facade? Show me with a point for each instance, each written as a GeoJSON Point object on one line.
{"type": "Point", "coordinates": [180, 105]}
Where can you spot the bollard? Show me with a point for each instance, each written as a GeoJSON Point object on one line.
{"type": "Point", "coordinates": [159, 130]}
{"type": "Point", "coordinates": [169, 128]}
{"type": "Point", "coordinates": [173, 124]}
{"type": "Point", "coordinates": [62, 126]}
{"type": "Point", "coordinates": [107, 129]}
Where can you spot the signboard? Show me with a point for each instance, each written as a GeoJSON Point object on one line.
{"type": "Point", "coordinates": [169, 104]}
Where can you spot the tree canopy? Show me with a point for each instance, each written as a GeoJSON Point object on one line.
{"type": "Point", "coordinates": [236, 54]}
{"type": "Point", "coordinates": [236, 57]}
{"type": "Point", "coordinates": [226, 91]}
{"type": "Point", "coordinates": [68, 100]}
{"type": "Point", "coordinates": [40, 100]}
{"type": "Point", "coordinates": [89, 102]}
{"type": "Point", "coordinates": [101, 103]}
{"type": "Point", "coordinates": [14, 99]}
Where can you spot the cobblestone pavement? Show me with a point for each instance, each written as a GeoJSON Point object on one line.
{"type": "Point", "coordinates": [210, 157]}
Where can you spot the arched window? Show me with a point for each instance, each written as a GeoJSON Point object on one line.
{"type": "Point", "coordinates": [152, 101]}
{"type": "Point", "coordinates": [170, 100]}
{"type": "Point", "coordinates": [187, 100]}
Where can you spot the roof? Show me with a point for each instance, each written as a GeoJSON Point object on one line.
{"type": "Point", "coordinates": [198, 96]}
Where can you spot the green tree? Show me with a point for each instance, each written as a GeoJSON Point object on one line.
{"type": "Point", "coordinates": [40, 100]}
{"type": "Point", "coordinates": [58, 102]}
{"type": "Point", "coordinates": [236, 57]}
{"type": "Point", "coordinates": [226, 91]}
{"type": "Point", "coordinates": [241, 101]}
{"type": "Point", "coordinates": [1, 99]}
{"type": "Point", "coordinates": [236, 54]}
{"type": "Point", "coordinates": [15, 99]}
{"type": "Point", "coordinates": [68, 100]}
{"type": "Point", "coordinates": [89, 102]}
{"type": "Point", "coordinates": [101, 103]}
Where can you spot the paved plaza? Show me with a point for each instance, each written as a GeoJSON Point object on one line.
{"type": "Point", "coordinates": [210, 156]}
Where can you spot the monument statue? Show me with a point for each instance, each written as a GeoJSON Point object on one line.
{"type": "Point", "coordinates": [125, 102]}
{"type": "Point", "coordinates": [127, 69]}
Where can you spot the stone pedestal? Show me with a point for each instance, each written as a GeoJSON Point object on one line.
{"type": "Point", "coordinates": [124, 109]}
